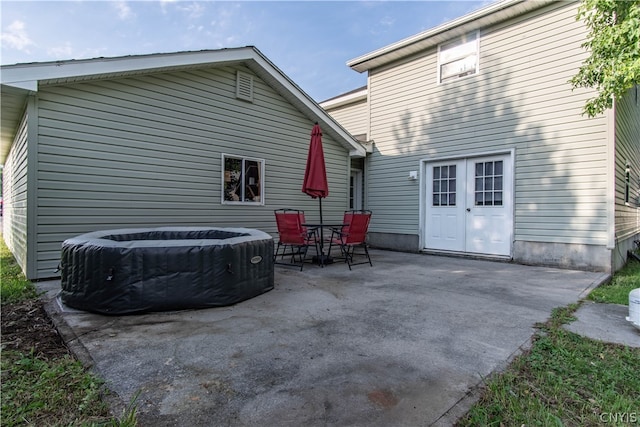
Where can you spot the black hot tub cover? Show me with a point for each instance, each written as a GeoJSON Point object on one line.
{"type": "Point", "coordinates": [169, 268]}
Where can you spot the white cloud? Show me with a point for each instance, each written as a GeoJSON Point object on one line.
{"type": "Point", "coordinates": [194, 10]}
{"type": "Point", "coordinates": [16, 37]}
{"type": "Point", "coordinates": [61, 52]}
{"type": "Point", "coordinates": [387, 21]}
{"type": "Point", "coordinates": [124, 11]}
{"type": "Point", "coordinates": [164, 4]}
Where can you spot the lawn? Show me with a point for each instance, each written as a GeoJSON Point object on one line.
{"type": "Point", "coordinates": [566, 379]}
{"type": "Point", "coordinates": [617, 290]}
{"type": "Point", "coordinates": [42, 383]}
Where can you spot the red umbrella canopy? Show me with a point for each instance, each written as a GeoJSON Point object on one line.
{"type": "Point", "coordinates": [315, 175]}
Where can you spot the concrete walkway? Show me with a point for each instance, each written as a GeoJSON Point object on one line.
{"type": "Point", "coordinates": [405, 343]}
{"type": "Point", "coordinates": [605, 322]}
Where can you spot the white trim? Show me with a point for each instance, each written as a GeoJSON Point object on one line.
{"type": "Point", "coordinates": [423, 191]}
{"type": "Point", "coordinates": [358, 182]}
{"type": "Point", "coordinates": [122, 65]}
{"type": "Point", "coordinates": [458, 38]}
{"type": "Point", "coordinates": [495, 12]}
{"type": "Point", "coordinates": [611, 176]}
{"type": "Point", "coordinates": [262, 179]}
{"type": "Point", "coordinates": [33, 75]}
{"type": "Point", "coordinates": [510, 151]}
{"type": "Point", "coordinates": [33, 219]}
{"type": "Point", "coordinates": [349, 98]}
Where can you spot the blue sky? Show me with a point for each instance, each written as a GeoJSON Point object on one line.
{"type": "Point", "coordinates": [310, 41]}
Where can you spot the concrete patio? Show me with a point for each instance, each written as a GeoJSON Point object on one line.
{"type": "Point", "coordinates": [405, 343]}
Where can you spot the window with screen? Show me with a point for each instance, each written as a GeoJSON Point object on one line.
{"type": "Point", "coordinates": [243, 180]}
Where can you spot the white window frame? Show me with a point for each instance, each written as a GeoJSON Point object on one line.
{"type": "Point", "coordinates": [466, 47]}
{"type": "Point", "coordinates": [243, 195]}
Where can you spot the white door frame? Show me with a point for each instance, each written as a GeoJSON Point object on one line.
{"type": "Point", "coordinates": [424, 163]}
{"type": "Point", "coordinates": [356, 175]}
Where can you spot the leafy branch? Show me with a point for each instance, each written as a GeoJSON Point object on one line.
{"type": "Point", "coordinates": [614, 43]}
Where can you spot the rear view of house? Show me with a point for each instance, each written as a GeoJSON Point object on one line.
{"type": "Point", "coordinates": [207, 138]}
{"type": "Point", "coordinates": [480, 146]}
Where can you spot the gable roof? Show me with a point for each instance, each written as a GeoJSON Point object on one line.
{"type": "Point", "coordinates": [491, 14]}
{"type": "Point", "coordinates": [349, 97]}
{"type": "Point", "coordinates": [20, 80]}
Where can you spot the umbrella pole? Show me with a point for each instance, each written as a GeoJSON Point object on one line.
{"type": "Point", "coordinates": [321, 230]}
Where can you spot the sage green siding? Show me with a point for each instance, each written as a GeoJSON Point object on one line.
{"type": "Point", "coordinates": [14, 196]}
{"type": "Point", "coordinates": [628, 155]}
{"type": "Point", "coordinates": [520, 100]}
{"type": "Point", "coordinates": [354, 117]}
{"type": "Point", "coordinates": [146, 151]}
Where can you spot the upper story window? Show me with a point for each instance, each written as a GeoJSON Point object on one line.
{"type": "Point", "coordinates": [243, 180]}
{"type": "Point", "coordinates": [459, 57]}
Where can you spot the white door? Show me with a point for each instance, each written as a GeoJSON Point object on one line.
{"type": "Point", "coordinates": [355, 189]}
{"type": "Point", "coordinates": [469, 205]}
{"type": "Point", "coordinates": [489, 224]}
{"type": "Point", "coordinates": [445, 206]}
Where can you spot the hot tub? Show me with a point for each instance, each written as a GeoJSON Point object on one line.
{"type": "Point", "coordinates": [169, 268]}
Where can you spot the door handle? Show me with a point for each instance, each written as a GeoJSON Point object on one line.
{"type": "Point", "coordinates": [468, 209]}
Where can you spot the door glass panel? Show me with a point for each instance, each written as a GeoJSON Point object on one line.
{"type": "Point", "coordinates": [488, 168]}
{"type": "Point", "coordinates": [444, 185]}
{"type": "Point", "coordinates": [498, 183]}
{"type": "Point", "coordinates": [489, 176]}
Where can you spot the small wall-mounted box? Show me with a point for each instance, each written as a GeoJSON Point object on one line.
{"type": "Point", "coordinates": [413, 175]}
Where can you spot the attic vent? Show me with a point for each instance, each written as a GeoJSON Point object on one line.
{"type": "Point", "coordinates": [244, 86]}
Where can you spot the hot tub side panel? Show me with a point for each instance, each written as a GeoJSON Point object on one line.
{"type": "Point", "coordinates": [100, 279]}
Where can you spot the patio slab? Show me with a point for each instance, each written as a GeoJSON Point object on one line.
{"type": "Point", "coordinates": [406, 342]}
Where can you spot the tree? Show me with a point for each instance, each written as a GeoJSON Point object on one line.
{"type": "Point", "coordinates": [614, 44]}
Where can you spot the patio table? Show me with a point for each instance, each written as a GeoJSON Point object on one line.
{"type": "Point", "coordinates": [321, 258]}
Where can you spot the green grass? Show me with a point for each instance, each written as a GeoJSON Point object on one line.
{"type": "Point", "coordinates": [566, 379]}
{"type": "Point", "coordinates": [617, 290]}
{"type": "Point", "coordinates": [40, 392]}
{"type": "Point", "coordinates": [13, 285]}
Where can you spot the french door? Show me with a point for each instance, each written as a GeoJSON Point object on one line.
{"type": "Point", "coordinates": [469, 205]}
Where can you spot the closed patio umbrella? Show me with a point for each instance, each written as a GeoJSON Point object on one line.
{"type": "Point", "coordinates": [315, 175]}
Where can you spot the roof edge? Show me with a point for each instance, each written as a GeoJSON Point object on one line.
{"type": "Point", "coordinates": [355, 95]}
{"type": "Point", "coordinates": [381, 56]}
{"type": "Point", "coordinates": [25, 78]}
{"type": "Point", "coordinates": [27, 73]}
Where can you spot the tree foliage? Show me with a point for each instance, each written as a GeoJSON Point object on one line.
{"type": "Point", "coordinates": [613, 41]}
